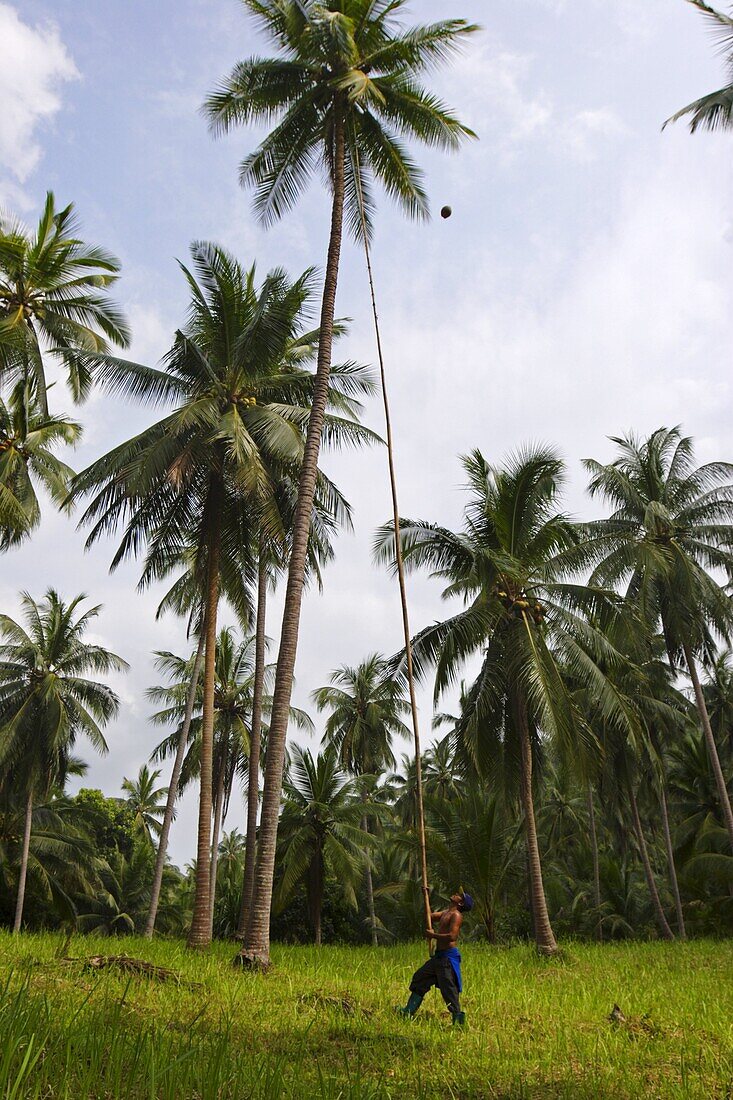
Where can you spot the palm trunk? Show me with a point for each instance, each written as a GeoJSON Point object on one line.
{"type": "Point", "coordinates": [543, 934]}
{"type": "Point", "coordinates": [315, 896]}
{"type": "Point", "coordinates": [370, 891]}
{"type": "Point", "coordinates": [200, 932]}
{"type": "Point", "coordinates": [23, 874]}
{"type": "Point", "coordinates": [173, 790]}
{"type": "Point", "coordinates": [710, 742]}
{"type": "Point", "coordinates": [596, 863]}
{"type": "Point", "coordinates": [256, 950]}
{"type": "Point", "coordinates": [670, 860]}
{"type": "Point", "coordinates": [661, 919]}
{"type": "Point", "coordinates": [214, 864]}
{"type": "Point", "coordinates": [253, 786]}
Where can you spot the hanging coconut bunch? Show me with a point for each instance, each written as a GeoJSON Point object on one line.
{"type": "Point", "coordinates": [518, 605]}
{"type": "Point", "coordinates": [243, 399]}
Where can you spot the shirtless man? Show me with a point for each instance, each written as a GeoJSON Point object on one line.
{"type": "Point", "coordinates": [444, 968]}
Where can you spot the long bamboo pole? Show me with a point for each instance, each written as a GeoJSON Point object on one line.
{"type": "Point", "coordinates": [399, 560]}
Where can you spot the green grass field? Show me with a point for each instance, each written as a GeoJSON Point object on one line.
{"type": "Point", "coordinates": [322, 1024]}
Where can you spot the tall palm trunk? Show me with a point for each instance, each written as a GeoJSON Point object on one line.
{"type": "Point", "coordinates": [710, 742]}
{"type": "Point", "coordinates": [596, 862]}
{"type": "Point", "coordinates": [173, 789]}
{"type": "Point", "coordinates": [200, 932]}
{"type": "Point", "coordinates": [253, 786]}
{"type": "Point", "coordinates": [661, 919]}
{"type": "Point", "coordinates": [669, 847]}
{"type": "Point", "coordinates": [544, 936]}
{"type": "Point", "coordinates": [670, 860]}
{"type": "Point", "coordinates": [256, 950]}
{"type": "Point", "coordinates": [370, 889]}
{"type": "Point", "coordinates": [23, 874]}
{"type": "Point", "coordinates": [214, 863]}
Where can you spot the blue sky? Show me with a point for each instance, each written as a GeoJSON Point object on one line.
{"type": "Point", "coordinates": [581, 289]}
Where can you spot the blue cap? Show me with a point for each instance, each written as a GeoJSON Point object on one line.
{"type": "Point", "coordinates": [467, 902]}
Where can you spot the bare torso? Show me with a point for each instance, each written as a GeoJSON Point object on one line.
{"type": "Point", "coordinates": [447, 926]}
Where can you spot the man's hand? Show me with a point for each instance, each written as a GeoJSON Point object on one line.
{"type": "Point", "coordinates": [430, 934]}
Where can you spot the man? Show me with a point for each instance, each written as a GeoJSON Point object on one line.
{"type": "Point", "coordinates": [444, 968]}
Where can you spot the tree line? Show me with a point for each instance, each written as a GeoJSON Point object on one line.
{"type": "Point", "coordinates": [584, 632]}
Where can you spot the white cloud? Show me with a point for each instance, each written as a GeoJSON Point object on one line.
{"type": "Point", "coordinates": [514, 114]}
{"type": "Point", "coordinates": [585, 133]}
{"type": "Point", "coordinates": [34, 64]}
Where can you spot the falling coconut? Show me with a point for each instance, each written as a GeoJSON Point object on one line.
{"type": "Point", "coordinates": [446, 212]}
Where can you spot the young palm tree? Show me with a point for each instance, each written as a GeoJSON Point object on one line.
{"type": "Point", "coordinates": [47, 701]}
{"type": "Point", "coordinates": [28, 440]}
{"type": "Point", "coordinates": [344, 85]}
{"type": "Point", "coordinates": [204, 475]}
{"type": "Point", "coordinates": [320, 830]}
{"type": "Point", "coordinates": [473, 842]}
{"type": "Point", "coordinates": [672, 525]}
{"type": "Point", "coordinates": [146, 802]}
{"type": "Point", "coordinates": [365, 705]}
{"type": "Point", "coordinates": [54, 301]}
{"type": "Point", "coordinates": [529, 626]}
{"type": "Point", "coordinates": [714, 111]}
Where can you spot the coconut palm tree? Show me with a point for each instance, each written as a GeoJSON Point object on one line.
{"type": "Point", "coordinates": [146, 802]}
{"type": "Point", "coordinates": [344, 85]}
{"type": "Point", "coordinates": [715, 110]}
{"type": "Point", "coordinates": [47, 700]}
{"type": "Point", "coordinates": [320, 830]}
{"type": "Point", "coordinates": [203, 476]}
{"type": "Point", "coordinates": [530, 627]}
{"type": "Point", "coordinates": [54, 301]}
{"type": "Point", "coordinates": [365, 705]}
{"type": "Point", "coordinates": [28, 440]}
{"type": "Point", "coordinates": [671, 527]}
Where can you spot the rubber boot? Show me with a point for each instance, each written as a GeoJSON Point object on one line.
{"type": "Point", "coordinates": [411, 1007]}
{"type": "Point", "coordinates": [459, 1018]}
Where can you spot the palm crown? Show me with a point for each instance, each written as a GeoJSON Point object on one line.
{"type": "Point", "coordinates": [508, 566]}
{"type": "Point", "coordinates": [53, 296]}
{"type": "Point", "coordinates": [671, 523]}
{"type": "Point", "coordinates": [365, 705]}
{"type": "Point", "coordinates": [239, 374]}
{"type": "Point", "coordinates": [28, 440]}
{"type": "Point", "coordinates": [715, 110]}
{"type": "Point", "coordinates": [46, 698]}
{"type": "Point", "coordinates": [340, 63]}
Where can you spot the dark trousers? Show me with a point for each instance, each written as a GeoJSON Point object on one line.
{"type": "Point", "coordinates": [438, 972]}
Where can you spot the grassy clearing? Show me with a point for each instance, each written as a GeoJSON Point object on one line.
{"type": "Point", "coordinates": [322, 1024]}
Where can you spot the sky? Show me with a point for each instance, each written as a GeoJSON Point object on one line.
{"type": "Point", "coordinates": [581, 289]}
